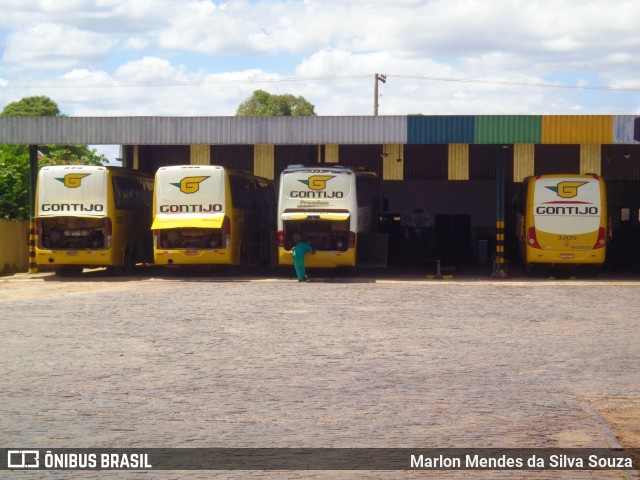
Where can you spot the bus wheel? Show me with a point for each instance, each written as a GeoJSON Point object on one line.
{"type": "Point", "coordinates": [68, 271]}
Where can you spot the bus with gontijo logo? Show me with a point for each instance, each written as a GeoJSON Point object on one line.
{"type": "Point", "coordinates": [93, 216]}
{"type": "Point", "coordinates": [335, 208]}
{"type": "Point", "coordinates": [563, 221]}
{"type": "Point", "coordinates": [211, 215]}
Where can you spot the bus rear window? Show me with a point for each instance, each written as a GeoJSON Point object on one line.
{"type": "Point", "coordinates": [74, 233]}
{"type": "Point", "coordinates": [190, 238]}
{"type": "Point", "coordinates": [324, 235]}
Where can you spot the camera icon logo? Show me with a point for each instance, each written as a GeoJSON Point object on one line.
{"type": "Point", "coordinates": [23, 459]}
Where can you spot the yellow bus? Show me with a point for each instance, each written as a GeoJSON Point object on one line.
{"type": "Point", "coordinates": [336, 209]}
{"type": "Point", "coordinates": [92, 216]}
{"type": "Point", "coordinates": [211, 215]}
{"type": "Point", "coordinates": [562, 221]}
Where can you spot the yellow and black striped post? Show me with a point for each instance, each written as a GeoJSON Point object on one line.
{"type": "Point", "coordinates": [500, 270]}
{"type": "Point", "coordinates": [33, 265]}
{"type": "Point", "coordinates": [33, 179]}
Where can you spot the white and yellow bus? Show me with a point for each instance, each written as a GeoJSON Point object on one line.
{"type": "Point", "coordinates": [211, 215]}
{"type": "Point", "coordinates": [92, 216]}
{"type": "Point", "coordinates": [335, 208]}
{"type": "Point", "coordinates": [563, 221]}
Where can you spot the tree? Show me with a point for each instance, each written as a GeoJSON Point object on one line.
{"type": "Point", "coordinates": [264, 104]}
{"type": "Point", "coordinates": [14, 159]}
{"type": "Point", "coordinates": [32, 107]}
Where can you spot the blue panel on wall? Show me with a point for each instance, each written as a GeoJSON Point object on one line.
{"type": "Point", "coordinates": [441, 129]}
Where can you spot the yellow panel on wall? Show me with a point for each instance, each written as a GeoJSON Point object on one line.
{"type": "Point", "coordinates": [577, 129]}
{"type": "Point", "coordinates": [523, 161]}
{"type": "Point", "coordinates": [136, 158]}
{"type": "Point", "coordinates": [393, 162]}
{"type": "Point", "coordinates": [331, 153]}
{"type": "Point", "coordinates": [200, 155]}
{"type": "Point", "coordinates": [458, 161]}
{"type": "Point", "coordinates": [264, 161]}
{"type": "Point", "coordinates": [590, 159]}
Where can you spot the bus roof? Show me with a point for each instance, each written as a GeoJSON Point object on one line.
{"type": "Point", "coordinates": [328, 167]}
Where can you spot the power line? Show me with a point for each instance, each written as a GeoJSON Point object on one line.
{"type": "Point", "coordinates": [185, 84]}
{"type": "Point", "coordinates": [516, 84]}
{"type": "Point", "coordinates": [316, 78]}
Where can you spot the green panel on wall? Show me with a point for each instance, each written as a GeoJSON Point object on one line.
{"type": "Point", "coordinates": [508, 129]}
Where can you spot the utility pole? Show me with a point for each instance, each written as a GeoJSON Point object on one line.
{"type": "Point", "coordinates": [378, 78]}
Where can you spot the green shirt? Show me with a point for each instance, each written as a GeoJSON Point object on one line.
{"type": "Point", "coordinates": [301, 249]}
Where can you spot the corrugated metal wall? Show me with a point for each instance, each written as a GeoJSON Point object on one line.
{"type": "Point", "coordinates": [200, 155]}
{"type": "Point", "coordinates": [482, 162]}
{"type": "Point", "coordinates": [480, 129]}
{"type": "Point", "coordinates": [14, 251]}
{"type": "Point", "coordinates": [458, 161]}
{"type": "Point", "coordinates": [577, 129]}
{"type": "Point", "coordinates": [523, 161]}
{"type": "Point", "coordinates": [393, 162]}
{"type": "Point", "coordinates": [621, 163]}
{"type": "Point", "coordinates": [626, 129]}
{"type": "Point", "coordinates": [360, 130]}
{"type": "Point", "coordinates": [152, 157]}
{"type": "Point", "coordinates": [506, 129]}
{"type": "Point", "coordinates": [426, 162]}
{"type": "Point", "coordinates": [233, 156]}
{"type": "Point", "coordinates": [368, 157]}
{"type": "Point", "coordinates": [332, 153]}
{"type": "Point", "coordinates": [264, 160]}
{"type": "Point", "coordinates": [286, 155]}
{"type": "Point", "coordinates": [551, 159]}
{"type": "Point", "coordinates": [590, 159]}
{"type": "Point", "coordinates": [440, 129]}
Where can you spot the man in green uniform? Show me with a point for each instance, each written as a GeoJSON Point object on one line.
{"type": "Point", "coordinates": [299, 251]}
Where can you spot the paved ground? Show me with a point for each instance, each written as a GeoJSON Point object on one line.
{"type": "Point", "coordinates": [166, 360]}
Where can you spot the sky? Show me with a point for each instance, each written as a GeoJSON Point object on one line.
{"type": "Point", "coordinates": [440, 57]}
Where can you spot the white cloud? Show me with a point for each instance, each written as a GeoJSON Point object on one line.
{"type": "Point", "coordinates": [204, 42]}
{"type": "Point", "coordinates": [149, 69]}
{"type": "Point", "coordinates": [136, 43]}
{"type": "Point", "coordinates": [55, 46]}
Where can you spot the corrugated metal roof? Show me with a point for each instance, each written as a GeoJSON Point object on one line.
{"type": "Point", "coordinates": [202, 130]}
{"type": "Point", "coordinates": [440, 129]}
{"type": "Point", "coordinates": [626, 129]}
{"type": "Point", "coordinates": [351, 130]}
{"type": "Point", "coordinates": [577, 129]}
{"type": "Point", "coordinates": [508, 129]}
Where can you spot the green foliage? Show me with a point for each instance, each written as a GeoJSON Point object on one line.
{"type": "Point", "coordinates": [264, 104]}
{"type": "Point", "coordinates": [14, 182]}
{"type": "Point", "coordinates": [32, 107]}
{"type": "Point", "coordinates": [14, 159]}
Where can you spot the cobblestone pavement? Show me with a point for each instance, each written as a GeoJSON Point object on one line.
{"type": "Point", "coordinates": [179, 361]}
